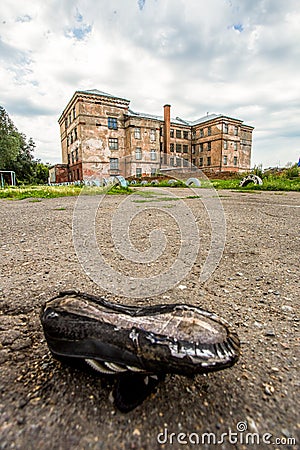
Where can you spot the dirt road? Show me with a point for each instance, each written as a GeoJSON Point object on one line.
{"type": "Point", "coordinates": [45, 405]}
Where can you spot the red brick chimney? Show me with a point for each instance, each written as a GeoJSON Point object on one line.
{"type": "Point", "coordinates": [167, 120]}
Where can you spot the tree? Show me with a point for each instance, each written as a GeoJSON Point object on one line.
{"type": "Point", "coordinates": [9, 140]}
{"type": "Point", "coordinates": [18, 155]}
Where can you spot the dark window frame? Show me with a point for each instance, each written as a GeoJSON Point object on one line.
{"type": "Point", "coordinates": [137, 133]}
{"type": "Point", "coordinates": [114, 163]}
{"type": "Point", "coordinates": [112, 123]}
{"type": "Point", "coordinates": [113, 143]}
{"type": "Point", "coordinates": [138, 153]}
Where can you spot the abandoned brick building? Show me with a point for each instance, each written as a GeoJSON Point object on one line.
{"type": "Point", "coordinates": [101, 136]}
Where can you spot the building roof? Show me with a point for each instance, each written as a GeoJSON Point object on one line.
{"type": "Point", "coordinates": [205, 119]}
{"type": "Point", "coordinates": [178, 120]}
{"type": "Point", "coordinates": [102, 94]}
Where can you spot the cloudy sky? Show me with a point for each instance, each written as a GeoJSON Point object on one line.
{"type": "Point", "coordinates": [236, 57]}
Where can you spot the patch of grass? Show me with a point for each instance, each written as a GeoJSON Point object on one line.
{"type": "Point", "coordinates": [161, 199]}
{"type": "Point", "coordinates": [38, 192]}
{"type": "Point", "coordinates": [270, 183]}
{"type": "Point", "coordinates": [60, 209]}
{"type": "Point", "coordinates": [165, 183]}
{"type": "Point", "coordinates": [226, 184]}
{"type": "Point", "coordinates": [147, 194]}
{"type": "Point", "coordinates": [193, 196]}
{"type": "Point", "coordinates": [274, 183]}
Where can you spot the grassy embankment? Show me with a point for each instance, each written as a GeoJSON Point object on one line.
{"type": "Point", "coordinates": [285, 181]}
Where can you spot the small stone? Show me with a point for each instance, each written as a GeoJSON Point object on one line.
{"type": "Point", "coordinates": [251, 424]}
{"type": "Point", "coordinates": [136, 432]}
{"type": "Point", "coordinates": [287, 308]}
{"type": "Point", "coordinates": [269, 390]}
{"type": "Point", "coordinates": [285, 432]}
{"type": "Point", "coordinates": [20, 420]}
{"type": "Point", "coordinates": [269, 333]}
{"type": "Point", "coordinates": [182, 287]}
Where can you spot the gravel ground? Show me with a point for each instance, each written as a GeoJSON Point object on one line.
{"type": "Point", "coordinates": [46, 405]}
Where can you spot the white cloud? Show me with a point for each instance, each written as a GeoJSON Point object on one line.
{"type": "Point", "coordinates": [237, 58]}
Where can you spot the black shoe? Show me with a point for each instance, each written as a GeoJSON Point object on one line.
{"type": "Point", "coordinates": [114, 338]}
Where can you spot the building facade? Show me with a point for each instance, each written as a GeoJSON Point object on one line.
{"type": "Point", "coordinates": [101, 136]}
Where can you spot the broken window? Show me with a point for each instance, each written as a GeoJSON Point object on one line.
{"type": "Point", "coordinates": [178, 134]}
{"type": "Point", "coordinates": [112, 123]}
{"type": "Point", "coordinates": [152, 134]}
{"type": "Point", "coordinates": [137, 133]}
{"type": "Point", "coordinates": [171, 133]}
{"type": "Point", "coordinates": [138, 153]}
{"type": "Point", "coordinates": [113, 143]}
{"type": "Point", "coordinates": [113, 163]}
{"type": "Point", "coordinates": [185, 134]}
{"type": "Point", "coordinates": [178, 148]}
{"type": "Point", "coordinates": [153, 154]}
